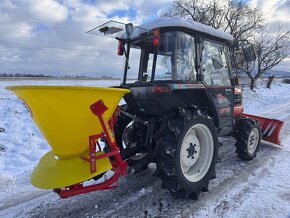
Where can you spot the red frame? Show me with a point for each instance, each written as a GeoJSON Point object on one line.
{"type": "Point", "coordinates": [120, 167]}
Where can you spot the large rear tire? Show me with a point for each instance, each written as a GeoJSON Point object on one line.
{"type": "Point", "coordinates": [187, 161]}
{"type": "Point", "coordinates": [248, 135]}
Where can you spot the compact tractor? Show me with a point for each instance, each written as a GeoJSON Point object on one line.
{"type": "Point", "coordinates": [180, 96]}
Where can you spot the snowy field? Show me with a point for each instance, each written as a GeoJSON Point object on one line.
{"type": "Point", "coordinates": [259, 188]}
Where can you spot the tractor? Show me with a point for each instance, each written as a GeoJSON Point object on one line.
{"type": "Point", "coordinates": [180, 95]}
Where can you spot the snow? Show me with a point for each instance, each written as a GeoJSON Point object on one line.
{"type": "Point", "coordinates": [262, 98]}
{"type": "Point", "coordinates": [190, 24]}
{"type": "Point", "coordinates": [241, 189]}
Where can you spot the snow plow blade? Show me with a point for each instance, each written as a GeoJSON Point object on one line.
{"type": "Point", "coordinates": [270, 128]}
{"type": "Point", "coordinates": [64, 116]}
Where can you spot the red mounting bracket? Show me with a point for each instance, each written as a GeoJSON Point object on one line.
{"type": "Point", "coordinates": [120, 167]}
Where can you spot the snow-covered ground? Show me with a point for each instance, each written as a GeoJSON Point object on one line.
{"type": "Point", "coordinates": [242, 189]}
{"type": "Point", "coordinates": [262, 98]}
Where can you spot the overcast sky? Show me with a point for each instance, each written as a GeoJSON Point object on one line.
{"type": "Point", "coordinates": [46, 36]}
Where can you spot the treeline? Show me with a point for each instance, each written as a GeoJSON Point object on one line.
{"type": "Point", "coordinates": [50, 76]}
{"type": "Point", "coordinates": [85, 77]}
{"type": "Point", "coordinates": [22, 75]}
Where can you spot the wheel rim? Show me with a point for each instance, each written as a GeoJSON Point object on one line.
{"type": "Point", "coordinates": [196, 152]}
{"type": "Point", "coordinates": [253, 140]}
{"type": "Point", "coordinates": [125, 135]}
{"type": "Point", "coordinates": [127, 144]}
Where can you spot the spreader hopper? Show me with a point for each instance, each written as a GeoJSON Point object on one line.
{"type": "Point", "coordinates": [64, 116]}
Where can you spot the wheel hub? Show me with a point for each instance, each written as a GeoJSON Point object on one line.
{"type": "Point", "coordinates": [191, 151]}
{"type": "Point", "coordinates": [253, 140]}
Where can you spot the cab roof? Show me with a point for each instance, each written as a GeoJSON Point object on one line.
{"type": "Point", "coordinates": [187, 24]}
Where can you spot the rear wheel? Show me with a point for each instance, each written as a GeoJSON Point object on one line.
{"type": "Point", "coordinates": [187, 162]}
{"type": "Point", "coordinates": [248, 137]}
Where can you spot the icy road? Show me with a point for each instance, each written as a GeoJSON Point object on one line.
{"type": "Point", "coordinates": [260, 188]}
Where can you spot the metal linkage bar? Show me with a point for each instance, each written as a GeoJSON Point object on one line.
{"type": "Point", "coordinates": [134, 117]}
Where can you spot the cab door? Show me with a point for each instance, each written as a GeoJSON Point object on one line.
{"type": "Point", "coordinates": [216, 77]}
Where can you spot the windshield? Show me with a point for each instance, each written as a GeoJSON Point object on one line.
{"type": "Point", "coordinates": [172, 60]}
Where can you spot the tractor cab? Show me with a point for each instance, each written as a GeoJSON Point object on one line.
{"type": "Point", "coordinates": [171, 63]}
{"type": "Point", "coordinates": [171, 50]}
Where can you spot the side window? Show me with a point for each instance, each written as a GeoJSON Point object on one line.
{"type": "Point", "coordinates": [176, 57]}
{"type": "Point", "coordinates": [145, 66]}
{"type": "Point", "coordinates": [215, 68]}
{"type": "Point", "coordinates": [147, 75]}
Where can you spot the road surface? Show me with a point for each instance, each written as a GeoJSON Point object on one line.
{"type": "Point", "coordinates": [259, 188]}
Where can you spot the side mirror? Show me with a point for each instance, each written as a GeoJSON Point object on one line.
{"type": "Point", "coordinates": [249, 52]}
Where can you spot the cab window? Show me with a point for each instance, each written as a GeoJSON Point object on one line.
{"type": "Point", "coordinates": [174, 61]}
{"type": "Point", "coordinates": [176, 57]}
{"type": "Point", "coordinates": [215, 67]}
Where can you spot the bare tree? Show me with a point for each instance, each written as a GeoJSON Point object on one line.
{"type": "Point", "coordinates": [210, 13]}
{"type": "Point", "coordinates": [242, 22]}
{"type": "Point", "coordinates": [270, 50]}
{"type": "Point", "coordinates": [232, 16]}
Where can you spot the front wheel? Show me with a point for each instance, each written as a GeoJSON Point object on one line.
{"type": "Point", "coordinates": [188, 170]}
{"type": "Point", "coordinates": [248, 135]}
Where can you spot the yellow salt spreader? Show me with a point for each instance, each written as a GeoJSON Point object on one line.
{"type": "Point", "coordinates": [72, 119]}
